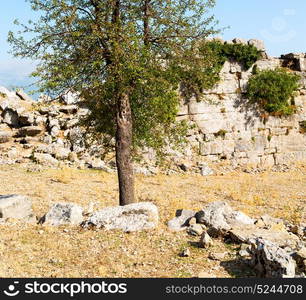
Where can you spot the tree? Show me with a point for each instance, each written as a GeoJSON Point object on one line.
{"type": "Point", "coordinates": [126, 59]}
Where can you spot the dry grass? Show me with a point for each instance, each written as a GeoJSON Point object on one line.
{"type": "Point", "coordinates": [35, 251]}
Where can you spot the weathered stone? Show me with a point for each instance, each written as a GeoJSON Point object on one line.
{"type": "Point", "coordinates": [185, 253]}
{"type": "Point", "coordinates": [5, 136]}
{"type": "Point", "coordinates": [220, 217]}
{"type": "Point", "coordinates": [15, 206]}
{"type": "Point", "coordinates": [10, 117]}
{"type": "Point", "coordinates": [205, 240]}
{"type": "Point", "coordinates": [61, 153]}
{"type": "Point", "coordinates": [259, 44]}
{"type": "Point", "coordinates": [239, 41]}
{"type": "Point", "coordinates": [217, 255]}
{"type": "Point", "coordinates": [300, 258]}
{"type": "Point", "coordinates": [68, 109]}
{"type": "Point", "coordinates": [205, 170]}
{"type": "Point", "coordinates": [70, 98]}
{"type": "Point", "coordinates": [195, 229]}
{"type": "Point", "coordinates": [63, 213]}
{"type": "Point", "coordinates": [271, 261]}
{"type": "Point", "coordinates": [181, 221]}
{"type": "Point", "coordinates": [132, 217]}
{"type": "Point", "coordinates": [279, 237]}
{"type": "Point", "coordinates": [30, 131]}
{"type": "Point", "coordinates": [45, 159]}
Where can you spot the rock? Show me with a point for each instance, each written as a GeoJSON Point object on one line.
{"type": "Point", "coordinates": [244, 253]}
{"type": "Point", "coordinates": [63, 213]}
{"type": "Point", "coordinates": [132, 217]}
{"type": "Point", "coordinates": [246, 233]}
{"type": "Point", "coordinates": [217, 256]}
{"type": "Point", "coordinates": [192, 221]}
{"type": "Point", "coordinates": [205, 240]}
{"type": "Point", "coordinates": [23, 96]}
{"type": "Point", "coordinates": [205, 170]}
{"type": "Point", "coordinates": [70, 98]}
{"type": "Point", "coordinates": [55, 131]}
{"type": "Point", "coordinates": [10, 117]}
{"type": "Point", "coordinates": [5, 136]}
{"type": "Point", "coordinates": [271, 261]}
{"type": "Point", "coordinates": [61, 153]}
{"type": "Point", "coordinates": [68, 109]}
{"type": "Point", "coordinates": [45, 159]}
{"type": "Point", "coordinates": [15, 206]}
{"type": "Point", "coordinates": [26, 119]}
{"type": "Point", "coordinates": [30, 131]}
{"type": "Point", "coordinates": [220, 217]}
{"type": "Point", "coordinates": [300, 258]}
{"type": "Point", "coordinates": [239, 41]}
{"type": "Point", "coordinates": [180, 222]}
{"type": "Point", "coordinates": [195, 229]}
{"type": "Point", "coordinates": [259, 44]}
{"type": "Point", "coordinates": [185, 253]}
{"type": "Point", "coordinates": [4, 92]}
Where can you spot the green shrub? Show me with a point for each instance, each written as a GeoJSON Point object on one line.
{"type": "Point", "coordinates": [247, 55]}
{"type": "Point", "coordinates": [273, 91]}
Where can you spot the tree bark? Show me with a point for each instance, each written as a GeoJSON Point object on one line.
{"type": "Point", "coordinates": [123, 150]}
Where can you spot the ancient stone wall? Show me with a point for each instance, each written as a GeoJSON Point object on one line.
{"type": "Point", "coordinates": [230, 129]}
{"type": "Point", "coordinates": [227, 128]}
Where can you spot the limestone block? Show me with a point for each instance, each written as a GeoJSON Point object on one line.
{"type": "Point", "coordinates": [15, 206]}
{"type": "Point", "coordinates": [259, 44]}
{"type": "Point", "coordinates": [267, 161]}
{"type": "Point", "coordinates": [132, 217]}
{"type": "Point", "coordinates": [268, 64]}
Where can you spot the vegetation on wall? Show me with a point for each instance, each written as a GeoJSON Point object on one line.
{"type": "Point", "coordinates": [273, 91]}
{"type": "Point", "coordinates": [204, 72]}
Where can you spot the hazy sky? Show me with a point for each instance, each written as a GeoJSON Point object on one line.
{"type": "Point", "coordinates": [280, 23]}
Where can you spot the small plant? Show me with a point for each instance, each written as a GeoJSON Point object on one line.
{"type": "Point", "coordinates": [253, 139]}
{"type": "Point", "coordinates": [223, 110]}
{"type": "Point", "coordinates": [273, 91]}
{"type": "Point", "coordinates": [269, 138]}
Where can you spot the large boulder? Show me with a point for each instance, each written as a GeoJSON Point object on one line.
{"type": "Point", "coordinates": [220, 217]}
{"type": "Point", "coordinates": [63, 214]}
{"type": "Point", "coordinates": [132, 217]}
{"type": "Point", "coordinates": [271, 261]}
{"type": "Point", "coordinates": [15, 207]}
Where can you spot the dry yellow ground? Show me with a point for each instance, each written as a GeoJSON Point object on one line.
{"type": "Point", "coordinates": [40, 251]}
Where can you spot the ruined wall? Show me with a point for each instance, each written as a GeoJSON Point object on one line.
{"type": "Point", "coordinates": [229, 129]}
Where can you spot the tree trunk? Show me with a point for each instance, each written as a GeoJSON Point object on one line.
{"type": "Point", "coordinates": [123, 150]}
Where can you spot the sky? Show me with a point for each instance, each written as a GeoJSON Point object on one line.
{"type": "Point", "coordinates": [280, 23]}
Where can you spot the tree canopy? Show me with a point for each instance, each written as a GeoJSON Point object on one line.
{"type": "Point", "coordinates": [126, 59]}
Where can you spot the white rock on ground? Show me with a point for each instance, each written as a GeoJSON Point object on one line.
{"type": "Point", "coordinates": [180, 222]}
{"type": "Point", "coordinates": [15, 206]}
{"type": "Point", "coordinates": [63, 213]}
{"type": "Point", "coordinates": [132, 217]}
{"type": "Point", "coordinates": [220, 217]}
